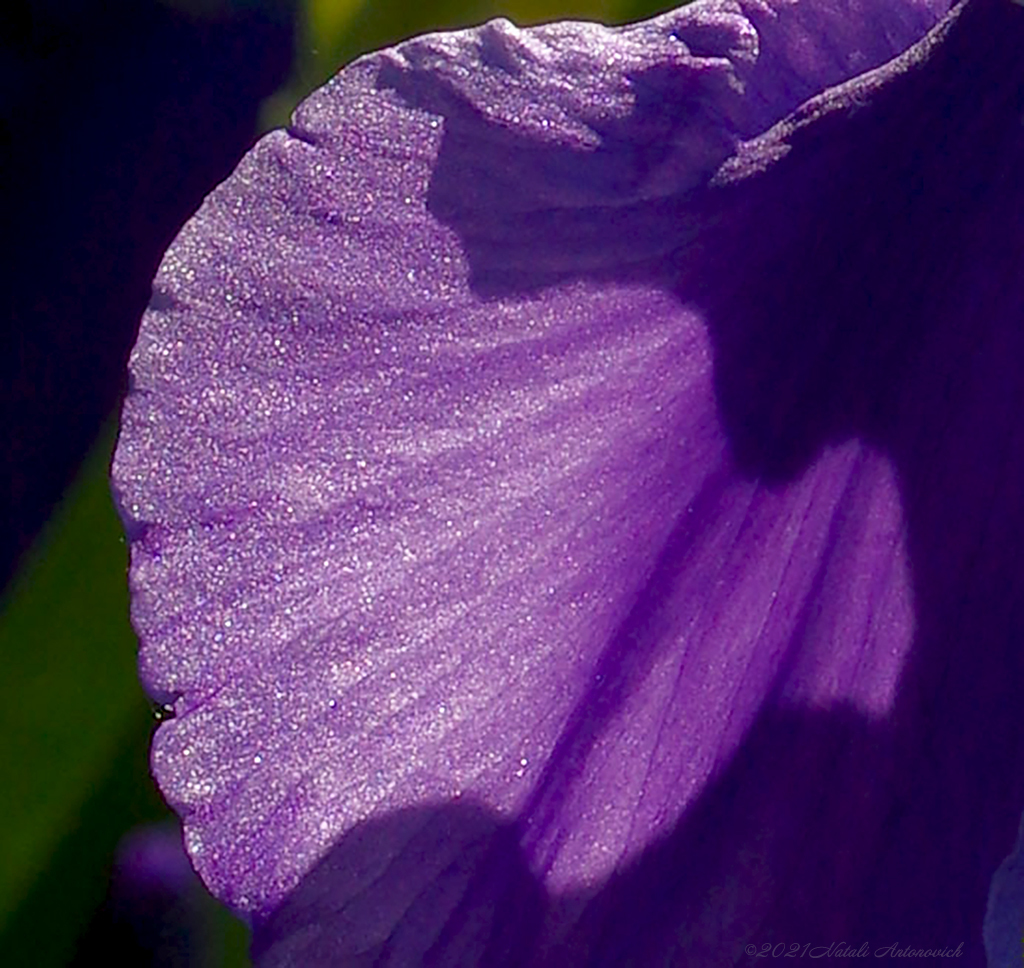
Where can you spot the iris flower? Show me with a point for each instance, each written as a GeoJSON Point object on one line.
{"type": "Point", "coordinates": [573, 478]}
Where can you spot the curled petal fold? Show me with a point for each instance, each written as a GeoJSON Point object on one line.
{"type": "Point", "coordinates": [571, 476]}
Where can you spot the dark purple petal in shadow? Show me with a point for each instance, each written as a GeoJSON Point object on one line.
{"type": "Point", "coordinates": [578, 523]}
{"type": "Point", "coordinates": [1004, 915]}
{"type": "Point", "coordinates": [157, 912]}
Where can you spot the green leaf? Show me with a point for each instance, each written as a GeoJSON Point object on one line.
{"type": "Point", "coordinates": [69, 695]}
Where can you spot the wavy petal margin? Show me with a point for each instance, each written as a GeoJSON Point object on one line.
{"type": "Point", "coordinates": [571, 477]}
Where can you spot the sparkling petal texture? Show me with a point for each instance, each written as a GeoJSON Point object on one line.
{"type": "Point", "coordinates": [573, 481]}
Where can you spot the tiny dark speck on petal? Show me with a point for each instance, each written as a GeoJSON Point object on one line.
{"type": "Point", "coordinates": [163, 711]}
{"type": "Point", "coordinates": [160, 300]}
{"type": "Point", "coordinates": [300, 134]}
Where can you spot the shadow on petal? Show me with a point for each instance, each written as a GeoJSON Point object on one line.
{"type": "Point", "coordinates": [730, 768]}
{"type": "Point", "coordinates": [772, 853]}
{"type": "Point", "coordinates": [430, 885]}
{"type": "Point", "coordinates": [860, 279]}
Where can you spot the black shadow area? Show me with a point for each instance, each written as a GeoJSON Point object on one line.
{"type": "Point", "coordinates": [116, 119]}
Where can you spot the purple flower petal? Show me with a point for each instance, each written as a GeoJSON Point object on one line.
{"type": "Point", "coordinates": [1004, 914]}
{"type": "Point", "coordinates": [575, 519]}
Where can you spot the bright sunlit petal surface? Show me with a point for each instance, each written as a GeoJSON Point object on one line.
{"type": "Point", "coordinates": [571, 476]}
